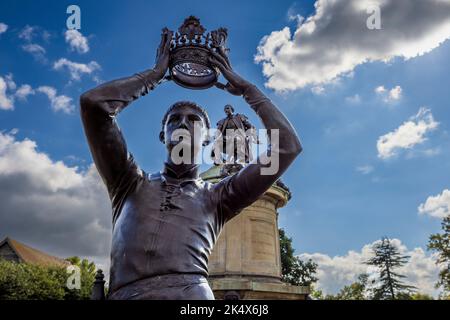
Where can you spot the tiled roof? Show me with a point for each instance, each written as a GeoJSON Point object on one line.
{"type": "Point", "coordinates": [33, 256]}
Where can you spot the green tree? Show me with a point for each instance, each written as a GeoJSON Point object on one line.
{"type": "Point", "coordinates": [294, 270]}
{"type": "Point", "coordinates": [87, 275]}
{"type": "Point", "coordinates": [286, 253]}
{"type": "Point", "coordinates": [316, 294]}
{"type": "Point", "coordinates": [354, 291]}
{"type": "Point", "coordinates": [21, 281]}
{"type": "Point", "coordinates": [421, 296]}
{"type": "Point", "coordinates": [319, 295]}
{"type": "Point", "coordinates": [440, 243]}
{"type": "Point", "coordinates": [387, 258]}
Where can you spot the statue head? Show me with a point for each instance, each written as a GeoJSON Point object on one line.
{"type": "Point", "coordinates": [185, 124]}
{"type": "Point", "coordinates": [229, 110]}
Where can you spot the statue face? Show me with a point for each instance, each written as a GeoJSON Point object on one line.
{"type": "Point", "coordinates": [228, 110]}
{"type": "Point", "coordinates": [185, 128]}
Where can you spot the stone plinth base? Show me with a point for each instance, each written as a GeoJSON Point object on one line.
{"type": "Point", "coordinates": [249, 289]}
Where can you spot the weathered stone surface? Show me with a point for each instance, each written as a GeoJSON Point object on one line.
{"type": "Point", "coordinates": [253, 289]}
{"type": "Point", "coordinates": [246, 257]}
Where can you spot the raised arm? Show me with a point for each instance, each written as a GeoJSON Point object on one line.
{"type": "Point", "coordinates": [99, 108]}
{"type": "Point", "coordinates": [245, 187]}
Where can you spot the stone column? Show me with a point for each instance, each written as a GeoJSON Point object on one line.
{"type": "Point", "coordinates": [245, 262]}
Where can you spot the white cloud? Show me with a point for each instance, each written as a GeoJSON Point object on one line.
{"type": "Point", "coordinates": [24, 91]}
{"type": "Point", "coordinates": [380, 89]}
{"type": "Point", "coordinates": [27, 33]}
{"type": "Point", "coordinates": [37, 51]}
{"type": "Point", "coordinates": [318, 90]}
{"type": "Point", "coordinates": [6, 102]}
{"type": "Point", "coordinates": [429, 152]}
{"type": "Point", "coordinates": [33, 48]}
{"type": "Point", "coordinates": [292, 14]}
{"type": "Point", "coordinates": [30, 33]}
{"type": "Point", "coordinates": [432, 152]}
{"type": "Point", "coordinates": [10, 82]}
{"type": "Point", "coordinates": [437, 206]}
{"type": "Point", "coordinates": [76, 69]}
{"type": "Point", "coordinates": [355, 99]}
{"type": "Point", "coordinates": [336, 272]}
{"type": "Point", "coordinates": [391, 95]}
{"type": "Point", "coordinates": [14, 131]}
{"type": "Point", "coordinates": [58, 102]}
{"type": "Point", "coordinates": [335, 40]}
{"type": "Point", "coordinates": [408, 135]}
{"type": "Point", "coordinates": [395, 93]}
{"type": "Point", "coordinates": [77, 41]}
{"type": "Point", "coordinates": [50, 205]}
{"type": "Point", "coordinates": [3, 27]}
{"type": "Point", "coordinates": [46, 35]}
{"type": "Point", "coordinates": [365, 169]}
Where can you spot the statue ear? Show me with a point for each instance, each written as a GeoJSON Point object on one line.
{"type": "Point", "coordinates": [206, 142]}
{"type": "Point", "coordinates": [161, 137]}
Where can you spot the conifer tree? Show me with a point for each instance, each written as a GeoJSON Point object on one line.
{"type": "Point", "coordinates": [387, 258]}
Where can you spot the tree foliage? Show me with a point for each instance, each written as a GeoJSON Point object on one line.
{"type": "Point", "coordinates": [294, 270]}
{"type": "Point", "coordinates": [421, 296]}
{"type": "Point", "coordinates": [355, 291]}
{"type": "Point", "coordinates": [387, 258]}
{"type": "Point", "coordinates": [22, 281]}
{"type": "Point", "coordinates": [440, 243]}
{"type": "Point", "coordinates": [88, 271]}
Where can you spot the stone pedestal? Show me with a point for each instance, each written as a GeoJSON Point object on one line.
{"type": "Point", "coordinates": [245, 262]}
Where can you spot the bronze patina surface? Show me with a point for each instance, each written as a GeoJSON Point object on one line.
{"type": "Point", "coordinates": [165, 224]}
{"type": "Point", "coordinates": [234, 136]}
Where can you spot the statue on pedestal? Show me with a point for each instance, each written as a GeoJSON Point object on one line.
{"type": "Point", "coordinates": [165, 224]}
{"type": "Point", "coordinates": [234, 136]}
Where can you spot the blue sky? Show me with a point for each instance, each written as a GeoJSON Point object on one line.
{"type": "Point", "coordinates": [345, 195]}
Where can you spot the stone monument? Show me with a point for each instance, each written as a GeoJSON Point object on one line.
{"type": "Point", "coordinates": [245, 263]}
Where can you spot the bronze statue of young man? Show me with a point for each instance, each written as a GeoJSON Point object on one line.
{"type": "Point", "coordinates": [166, 224]}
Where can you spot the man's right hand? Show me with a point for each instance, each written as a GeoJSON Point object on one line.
{"type": "Point", "coordinates": [236, 84]}
{"type": "Point", "coordinates": [163, 53]}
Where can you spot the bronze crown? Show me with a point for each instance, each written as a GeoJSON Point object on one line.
{"type": "Point", "coordinates": [189, 54]}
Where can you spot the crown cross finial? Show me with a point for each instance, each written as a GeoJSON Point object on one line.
{"type": "Point", "coordinates": [191, 28]}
